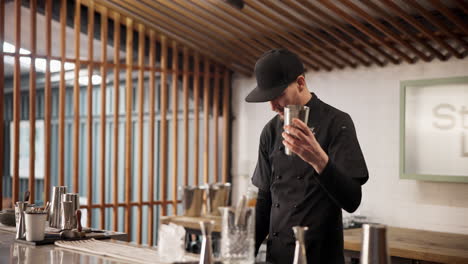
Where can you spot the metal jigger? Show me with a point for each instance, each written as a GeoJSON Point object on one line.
{"type": "Point", "coordinates": [206, 254]}
{"type": "Point", "coordinates": [374, 244]}
{"type": "Point", "coordinates": [300, 252]}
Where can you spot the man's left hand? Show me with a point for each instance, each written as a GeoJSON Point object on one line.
{"type": "Point", "coordinates": [300, 140]}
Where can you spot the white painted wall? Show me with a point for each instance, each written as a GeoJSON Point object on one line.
{"type": "Point", "coordinates": [372, 97]}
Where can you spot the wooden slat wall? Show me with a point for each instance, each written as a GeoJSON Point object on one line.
{"type": "Point", "coordinates": [89, 106]}
{"type": "Point", "coordinates": [61, 140]}
{"type": "Point", "coordinates": [2, 96]}
{"type": "Point", "coordinates": [128, 125]}
{"type": "Point", "coordinates": [163, 69]}
{"type": "Point", "coordinates": [76, 101]}
{"type": "Point", "coordinates": [102, 156]}
{"type": "Point", "coordinates": [163, 132]}
{"type": "Point", "coordinates": [141, 72]}
{"type": "Point", "coordinates": [152, 99]}
{"type": "Point", "coordinates": [48, 95]}
{"type": "Point", "coordinates": [115, 162]}
{"type": "Point", "coordinates": [32, 103]}
{"type": "Point", "coordinates": [16, 100]}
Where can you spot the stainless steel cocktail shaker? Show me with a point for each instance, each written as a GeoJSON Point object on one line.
{"type": "Point", "coordinates": [295, 111]}
{"type": "Point", "coordinates": [55, 207]}
{"type": "Point", "coordinates": [374, 244]}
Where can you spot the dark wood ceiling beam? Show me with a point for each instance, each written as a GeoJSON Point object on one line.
{"type": "Point", "coordinates": [436, 22]}
{"type": "Point", "coordinates": [299, 35]}
{"type": "Point", "coordinates": [416, 39]}
{"type": "Point", "coordinates": [169, 9]}
{"type": "Point", "coordinates": [241, 16]}
{"type": "Point", "coordinates": [347, 31]}
{"type": "Point", "coordinates": [329, 47]}
{"type": "Point", "coordinates": [248, 31]}
{"type": "Point", "coordinates": [461, 25]}
{"type": "Point", "coordinates": [162, 20]}
{"type": "Point", "coordinates": [393, 36]}
{"type": "Point", "coordinates": [367, 32]}
{"type": "Point", "coordinates": [462, 5]}
{"type": "Point", "coordinates": [344, 42]}
{"type": "Point", "coordinates": [329, 19]}
{"type": "Point", "coordinates": [401, 13]}
{"type": "Point", "coordinates": [296, 44]}
{"type": "Point", "coordinates": [185, 39]}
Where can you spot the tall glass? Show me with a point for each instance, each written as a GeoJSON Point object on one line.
{"type": "Point", "coordinates": [237, 235]}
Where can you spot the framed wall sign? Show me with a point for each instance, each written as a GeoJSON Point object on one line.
{"type": "Point", "coordinates": [434, 129]}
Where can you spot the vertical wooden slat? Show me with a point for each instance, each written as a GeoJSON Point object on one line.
{"type": "Point", "coordinates": [226, 124]}
{"type": "Point", "coordinates": [164, 124]}
{"type": "Point", "coordinates": [89, 126]}
{"type": "Point", "coordinates": [152, 88]}
{"type": "Point", "coordinates": [16, 101]}
{"type": "Point", "coordinates": [76, 101]}
{"type": "Point", "coordinates": [206, 119]}
{"type": "Point", "coordinates": [62, 93]}
{"type": "Point", "coordinates": [2, 97]}
{"type": "Point", "coordinates": [215, 117]}
{"type": "Point", "coordinates": [128, 127]}
{"type": "Point", "coordinates": [103, 115]}
{"type": "Point", "coordinates": [32, 104]}
{"type": "Point", "coordinates": [196, 110]}
{"type": "Point", "coordinates": [116, 121]}
{"type": "Point", "coordinates": [186, 111]}
{"type": "Point", "coordinates": [175, 140]}
{"type": "Point", "coordinates": [141, 72]}
{"type": "Point", "coordinates": [47, 99]}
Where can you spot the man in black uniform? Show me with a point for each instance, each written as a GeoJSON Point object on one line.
{"type": "Point", "coordinates": [311, 187]}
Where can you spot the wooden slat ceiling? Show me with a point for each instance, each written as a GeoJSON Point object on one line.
{"type": "Point", "coordinates": [327, 34]}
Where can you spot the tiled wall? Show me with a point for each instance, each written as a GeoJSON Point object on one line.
{"type": "Point", "coordinates": [372, 97]}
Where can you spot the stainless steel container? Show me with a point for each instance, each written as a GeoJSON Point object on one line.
{"type": "Point", "coordinates": [295, 111]}
{"type": "Point", "coordinates": [192, 200]}
{"type": "Point", "coordinates": [374, 244]}
{"type": "Point", "coordinates": [74, 198]}
{"type": "Point", "coordinates": [55, 206]}
{"type": "Point", "coordinates": [217, 196]}
{"type": "Point", "coordinates": [68, 215]}
{"type": "Point", "coordinates": [21, 226]}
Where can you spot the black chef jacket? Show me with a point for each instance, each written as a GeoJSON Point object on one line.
{"type": "Point", "coordinates": [292, 193]}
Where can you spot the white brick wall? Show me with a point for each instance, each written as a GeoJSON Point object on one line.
{"type": "Point", "coordinates": [372, 97]}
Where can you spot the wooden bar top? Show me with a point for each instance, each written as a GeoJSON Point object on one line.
{"type": "Point", "coordinates": [402, 242]}
{"type": "Point", "coordinates": [417, 244]}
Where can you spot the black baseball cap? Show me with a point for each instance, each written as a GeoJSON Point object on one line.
{"type": "Point", "coordinates": [274, 70]}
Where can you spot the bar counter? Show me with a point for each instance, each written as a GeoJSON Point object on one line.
{"type": "Point", "coordinates": [13, 252]}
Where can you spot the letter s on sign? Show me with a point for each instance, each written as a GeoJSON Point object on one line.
{"type": "Point", "coordinates": [443, 112]}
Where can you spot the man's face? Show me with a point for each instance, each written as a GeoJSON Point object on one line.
{"type": "Point", "coordinates": [290, 96]}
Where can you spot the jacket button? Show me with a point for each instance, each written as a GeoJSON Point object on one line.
{"type": "Point", "coordinates": [295, 205]}
{"type": "Point", "coordinates": [276, 204]}
{"type": "Point", "coordinates": [299, 177]}
{"type": "Point", "coordinates": [275, 233]}
{"type": "Point", "coordinates": [278, 177]}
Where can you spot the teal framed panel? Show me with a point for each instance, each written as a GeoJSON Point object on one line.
{"type": "Point", "coordinates": [434, 129]}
